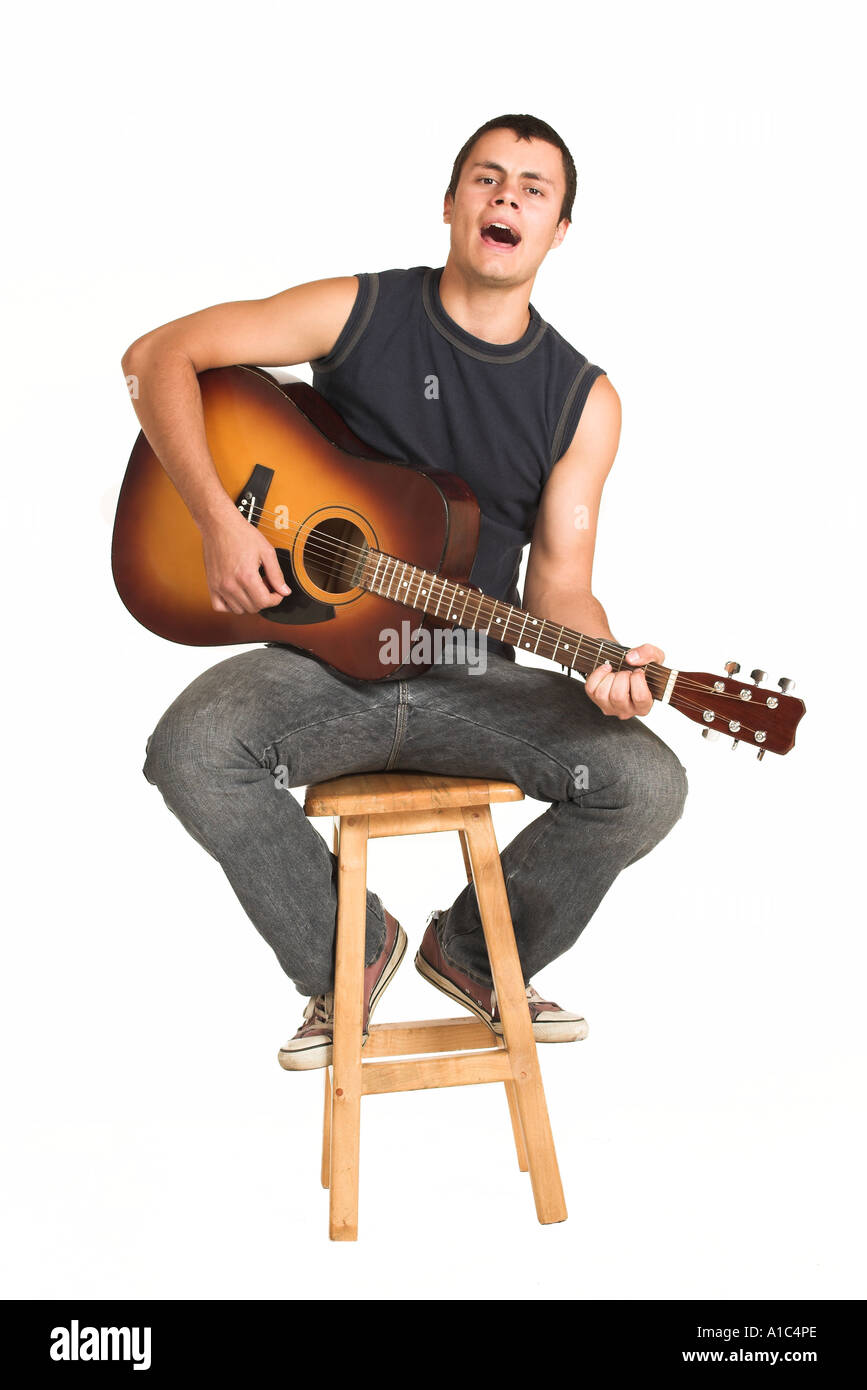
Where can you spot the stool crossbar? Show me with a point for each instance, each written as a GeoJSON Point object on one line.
{"type": "Point", "coordinates": [365, 807]}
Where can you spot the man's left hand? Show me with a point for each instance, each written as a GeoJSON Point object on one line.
{"type": "Point", "coordinates": [624, 693]}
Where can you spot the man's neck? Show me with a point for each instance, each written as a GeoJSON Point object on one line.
{"type": "Point", "coordinates": [494, 313]}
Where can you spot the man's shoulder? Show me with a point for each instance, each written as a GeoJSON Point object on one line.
{"type": "Point", "coordinates": [399, 287]}
{"type": "Point", "coordinates": [399, 275]}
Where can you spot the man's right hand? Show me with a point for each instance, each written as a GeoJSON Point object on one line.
{"type": "Point", "coordinates": [234, 551]}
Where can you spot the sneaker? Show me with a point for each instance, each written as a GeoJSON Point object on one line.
{"type": "Point", "coordinates": [550, 1022]}
{"type": "Point", "coordinates": [312, 1044]}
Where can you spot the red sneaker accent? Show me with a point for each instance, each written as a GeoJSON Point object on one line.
{"type": "Point", "coordinates": [312, 1045]}
{"type": "Point", "coordinates": [550, 1022]}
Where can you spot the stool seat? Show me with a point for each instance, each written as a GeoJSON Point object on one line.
{"type": "Point", "coordinates": [373, 793]}
{"type": "Point", "coordinates": [368, 806]}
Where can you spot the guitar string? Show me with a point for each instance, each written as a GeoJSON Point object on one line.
{"type": "Point", "coordinates": [328, 548]}
{"type": "Point", "coordinates": [682, 705]}
{"type": "Point", "coordinates": [651, 676]}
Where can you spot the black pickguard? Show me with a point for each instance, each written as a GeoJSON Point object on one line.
{"type": "Point", "coordinates": [297, 607]}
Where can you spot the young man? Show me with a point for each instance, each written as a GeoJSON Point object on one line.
{"type": "Point", "coordinates": [452, 369]}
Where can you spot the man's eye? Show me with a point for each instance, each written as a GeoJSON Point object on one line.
{"type": "Point", "coordinates": [535, 190]}
{"type": "Point", "coordinates": [486, 178]}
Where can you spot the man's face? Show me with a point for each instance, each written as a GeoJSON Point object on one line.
{"type": "Point", "coordinates": [518, 184]}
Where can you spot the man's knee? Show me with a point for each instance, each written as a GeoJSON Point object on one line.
{"type": "Point", "coordinates": [175, 753]}
{"type": "Point", "coordinates": [644, 779]}
{"type": "Point", "coordinates": [660, 785]}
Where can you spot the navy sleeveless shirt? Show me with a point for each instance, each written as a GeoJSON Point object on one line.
{"type": "Point", "coordinates": [417, 387]}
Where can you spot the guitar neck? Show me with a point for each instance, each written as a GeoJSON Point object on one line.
{"type": "Point", "coordinates": [456, 604]}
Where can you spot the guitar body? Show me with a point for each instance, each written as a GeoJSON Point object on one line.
{"type": "Point", "coordinates": [319, 495]}
{"type": "Point", "coordinates": [355, 533]}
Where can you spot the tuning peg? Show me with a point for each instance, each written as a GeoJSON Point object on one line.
{"type": "Point", "coordinates": [732, 667]}
{"type": "Point", "coordinates": [710, 734]}
{"type": "Point", "coordinates": [758, 676]}
{"type": "Point", "coordinates": [762, 752]}
{"type": "Point", "coordinates": [785, 684]}
{"type": "Point", "coordinates": [735, 742]}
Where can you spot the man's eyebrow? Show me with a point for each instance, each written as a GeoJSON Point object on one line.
{"type": "Point", "coordinates": [527, 173]}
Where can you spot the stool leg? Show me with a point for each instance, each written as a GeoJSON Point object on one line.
{"type": "Point", "coordinates": [517, 1029]}
{"type": "Point", "coordinates": [326, 1118]}
{"type": "Point", "coordinates": [517, 1130]}
{"type": "Point", "coordinates": [466, 853]}
{"type": "Point", "coordinates": [326, 1133]}
{"type": "Point", "coordinates": [348, 1010]}
{"type": "Point", "coordinates": [509, 1085]}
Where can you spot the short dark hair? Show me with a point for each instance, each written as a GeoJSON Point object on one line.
{"type": "Point", "coordinates": [525, 128]}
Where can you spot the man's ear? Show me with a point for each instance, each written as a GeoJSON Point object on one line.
{"type": "Point", "coordinates": [448, 207]}
{"type": "Point", "coordinates": [562, 228]}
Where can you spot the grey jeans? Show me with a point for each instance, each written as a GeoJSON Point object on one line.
{"type": "Point", "coordinates": [227, 749]}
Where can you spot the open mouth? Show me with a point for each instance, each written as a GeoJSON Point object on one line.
{"type": "Point", "coordinates": [500, 234]}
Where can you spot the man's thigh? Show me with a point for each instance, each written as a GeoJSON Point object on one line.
{"type": "Point", "coordinates": [278, 708]}
{"type": "Point", "coordinates": [535, 727]}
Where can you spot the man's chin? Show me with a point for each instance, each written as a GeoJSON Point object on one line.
{"type": "Point", "coordinates": [502, 273]}
{"type": "Point", "coordinates": [492, 265]}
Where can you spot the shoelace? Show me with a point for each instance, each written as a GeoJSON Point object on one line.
{"type": "Point", "coordinates": [531, 993]}
{"type": "Point", "coordinates": [320, 1008]}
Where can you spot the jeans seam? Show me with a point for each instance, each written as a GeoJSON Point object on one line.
{"type": "Point", "coordinates": [516, 738]}
{"type": "Point", "coordinates": [399, 724]}
{"type": "Point", "coordinates": [314, 724]}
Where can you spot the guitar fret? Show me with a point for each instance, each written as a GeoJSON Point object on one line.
{"type": "Point", "coordinates": [390, 576]}
{"type": "Point", "coordinates": [421, 574]}
{"type": "Point", "coordinates": [423, 579]}
{"type": "Point", "coordinates": [440, 599]}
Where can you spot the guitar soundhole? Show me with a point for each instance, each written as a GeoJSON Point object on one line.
{"type": "Point", "coordinates": [333, 555]}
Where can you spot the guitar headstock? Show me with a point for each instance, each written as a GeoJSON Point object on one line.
{"type": "Point", "coordinates": [745, 710]}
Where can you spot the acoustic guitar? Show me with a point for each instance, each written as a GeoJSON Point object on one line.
{"type": "Point", "coordinates": [366, 544]}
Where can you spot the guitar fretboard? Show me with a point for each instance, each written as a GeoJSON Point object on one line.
{"type": "Point", "coordinates": [455, 604]}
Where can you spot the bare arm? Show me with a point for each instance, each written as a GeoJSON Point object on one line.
{"type": "Point", "coordinates": [560, 567]}
{"type": "Point", "coordinates": [297, 325]}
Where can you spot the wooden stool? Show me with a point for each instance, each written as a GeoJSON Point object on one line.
{"type": "Point", "coordinates": [385, 803]}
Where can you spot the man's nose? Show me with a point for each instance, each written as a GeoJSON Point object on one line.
{"type": "Point", "coordinates": [510, 199]}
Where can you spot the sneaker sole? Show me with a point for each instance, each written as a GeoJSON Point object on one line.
{"type": "Point", "coordinates": [321, 1055]}
{"type": "Point", "coordinates": [542, 1032]}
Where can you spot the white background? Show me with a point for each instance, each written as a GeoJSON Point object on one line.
{"type": "Point", "coordinates": [710, 1130]}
